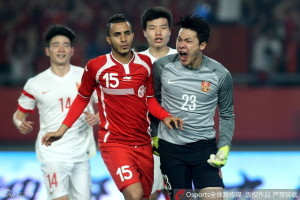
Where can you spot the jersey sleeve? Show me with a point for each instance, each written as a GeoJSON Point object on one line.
{"type": "Point", "coordinates": [156, 110]}
{"type": "Point", "coordinates": [27, 101]}
{"type": "Point", "coordinates": [149, 87]}
{"type": "Point", "coordinates": [227, 118]}
{"type": "Point", "coordinates": [88, 81]}
{"type": "Point", "coordinates": [157, 68]}
{"type": "Point", "coordinates": [76, 110]}
{"type": "Point", "coordinates": [157, 93]}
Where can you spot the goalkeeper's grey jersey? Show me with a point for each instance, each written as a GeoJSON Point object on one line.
{"type": "Point", "coordinates": [193, 95]}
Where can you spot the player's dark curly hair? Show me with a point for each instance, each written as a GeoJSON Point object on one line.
{"type": "Point", "coordinates": [155, 13]}
{"type": "Point", "coordinates": [197, 24]}
{"type": "Point", "coordinates": [117, 18]}
{"type": "Point", "coordinates": [58, 29]}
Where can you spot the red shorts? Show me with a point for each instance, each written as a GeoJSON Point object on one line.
{"type": "Point", "coordinates": [129, 164]}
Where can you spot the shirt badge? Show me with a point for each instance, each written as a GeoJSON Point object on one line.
{"type": "Point", "coordinates": [205, 87]}
{"type": "Point", "coordinates": [142, 91]}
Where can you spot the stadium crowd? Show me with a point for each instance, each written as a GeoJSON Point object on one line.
{"type": "Point", "coordinates": [274, 30]}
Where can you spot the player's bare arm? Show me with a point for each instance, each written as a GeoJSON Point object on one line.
{"type": "Point", "coordinates": [23, 126]}
{"type": "Point", "coordinates": [50, 137]}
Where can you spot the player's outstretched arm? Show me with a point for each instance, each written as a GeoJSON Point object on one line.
{"type": "Point", "coordinates": [50, 137]}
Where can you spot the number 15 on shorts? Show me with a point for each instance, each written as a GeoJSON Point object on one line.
{"type": "Point", "coordinates": [124, 173]}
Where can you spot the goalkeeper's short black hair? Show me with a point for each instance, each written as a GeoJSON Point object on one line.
{"type": "Point", "coordinates": [117, 18]}
{"type": "Point", "coordinates": [58, 29]}
{"type": "Point", "coordinates": [197, 24]}
{"type": "Point", "coordinates": [155, 13]}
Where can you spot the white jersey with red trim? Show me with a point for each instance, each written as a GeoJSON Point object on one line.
{"type": "Point", "coordinates": [53, 95]}
{"type": "Point", "coordinates": [147, 52]}
{"type": "Point", "coordinates": [122, 91]}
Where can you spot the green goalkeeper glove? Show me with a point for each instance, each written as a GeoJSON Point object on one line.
{"type": "Point", "coordinates": [155, 145]}
{"type": "Point", "coordinates": [219, 160]}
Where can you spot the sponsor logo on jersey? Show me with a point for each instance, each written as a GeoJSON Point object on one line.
{"type": "Point", "coordinates": [127, 78]}
{"type": "Point", "coordinates": [141, 91]}
{"type": "Point", "coordinates": [205, 87]}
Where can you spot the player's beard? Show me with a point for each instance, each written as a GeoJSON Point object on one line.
{"type": "Point", "coordinates": [121, 52]}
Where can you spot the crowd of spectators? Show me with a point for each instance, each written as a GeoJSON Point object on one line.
{"type": "Point", "coordinates": [274, 27]}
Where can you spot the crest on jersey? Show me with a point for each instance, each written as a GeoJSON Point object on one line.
{"type": "Point", "coordinates": [141, 91]}
{"type": "Point", "coordinates": [78, 85]}
{"type": "Point", "coordinates": [205, 86]}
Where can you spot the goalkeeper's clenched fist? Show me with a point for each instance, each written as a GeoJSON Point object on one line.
{"type": "Point", "coordinates": [220, 159]}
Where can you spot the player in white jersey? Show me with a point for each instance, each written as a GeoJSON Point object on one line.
{"type": "Point", "coordinates": [65, 164]}
{"type": "Point", "coordinates": [157, 23]}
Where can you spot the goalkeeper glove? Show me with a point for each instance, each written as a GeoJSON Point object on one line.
{"type": "Point", "coordinates": [219, 160]}
{"type": "Point", "coordinates": [155, 145]}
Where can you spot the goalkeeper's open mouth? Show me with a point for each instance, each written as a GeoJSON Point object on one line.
{"type": "Point", "coordinates": [183, 56]}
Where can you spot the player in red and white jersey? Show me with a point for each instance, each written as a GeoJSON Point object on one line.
{"type": "Point", "coordinates": [65, 165]}
{"type": "Point", "coordinates": [122, 90]}
{"type": "Point", "coordinates": [124, 84]}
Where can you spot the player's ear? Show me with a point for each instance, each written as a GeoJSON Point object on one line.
{"type": "Point", "coordinates": [72, 51]}
{"type": "Point", "coordinates": [202, 46]}
{"type": "Point", "coordinates": [108, 40]}
{"type": "Point", "coordinates": [47, 51]}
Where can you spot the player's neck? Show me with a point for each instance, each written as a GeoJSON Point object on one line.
{"type": "Point", "coordinates": [60, 70]}
{"type": "Point", "coordinates": [158, 52]}
{"type": "Point", "coordinates": [124, 59]}
{"type": "Point", "coordinates": [196, 63]}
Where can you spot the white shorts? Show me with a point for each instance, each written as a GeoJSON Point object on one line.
{"type": "Point", "coordinates": [158, 181]}
{"type": "Point", "coordinates": [72, 179]}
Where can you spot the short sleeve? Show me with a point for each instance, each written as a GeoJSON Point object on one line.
{"type": "Point", "coordinates": [27, 100]}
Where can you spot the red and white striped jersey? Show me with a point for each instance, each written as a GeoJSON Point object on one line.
{"type": "Point", "coordinates": [122, 91]}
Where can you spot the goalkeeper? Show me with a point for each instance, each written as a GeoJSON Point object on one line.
{"type": "Point", "coordinates": [191, 86]}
